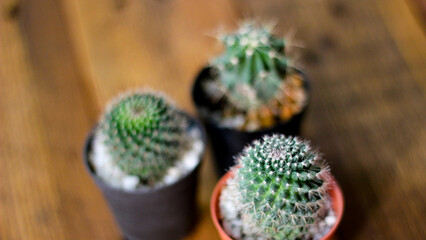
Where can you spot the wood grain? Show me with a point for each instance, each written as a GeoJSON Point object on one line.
{"type": "Point", "coordinates": [60, 62]}
{"type": "Point", "coordinates": [45, 114]}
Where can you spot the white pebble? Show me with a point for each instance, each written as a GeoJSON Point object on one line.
{"type": "Point", "coordinates": [130, 182]}
{"type": "Point", "coordinates": [330, 220]}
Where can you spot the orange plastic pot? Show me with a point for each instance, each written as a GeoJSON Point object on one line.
{"type": "Point", "coordinates": [335, 193]}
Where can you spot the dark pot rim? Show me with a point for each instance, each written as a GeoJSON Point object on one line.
{"type": "Point", "coordinates": [207, 68]}
{"type": "Point", "coordinates": [89, 168]}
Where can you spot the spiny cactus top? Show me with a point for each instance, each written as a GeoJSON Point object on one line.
{"type": "Point", "coordinates": [144, 134]}
{"type": "Point", "coordinates": [252, 67]}
{"type": "Point", "coordinates": [282, 185]}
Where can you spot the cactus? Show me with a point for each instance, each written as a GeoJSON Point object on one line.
{"type": "Point", "coordinates": [144, 134]}
{"type": "Point", "coordinates": [281, 184]}
{"type": "Point", "coordinates": [253, 66]}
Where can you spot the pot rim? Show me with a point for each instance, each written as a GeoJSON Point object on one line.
{"type": "Point", "coordinates": [89, 168]}
{"type": "Point", "coordinates": [307, 87]}
{"type": "Point", "coordinates": [335, 191]}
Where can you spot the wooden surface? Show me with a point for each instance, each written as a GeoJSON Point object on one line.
{"type": "Point", "coordinates": [60, 62]}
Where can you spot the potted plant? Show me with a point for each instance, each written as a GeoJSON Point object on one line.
{"type": "Point", "coordinates": [249, 91]}
{"type": "Point", "coordinates": [280, 189]}
{"type": "Point", "coordinates": [144, 155]}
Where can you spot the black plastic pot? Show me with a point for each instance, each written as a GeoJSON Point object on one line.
{"type": "Point", "coordinates": [227, 142]}
{"type": "Point", "coordinates": [164, 213]}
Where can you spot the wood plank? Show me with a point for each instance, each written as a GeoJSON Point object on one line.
{"type": "Point", "coordinates": [154, 43]}
{"type": "Point", "coordinates": [418, 8]}
{"type": "Point", "coordinates": [412, 42]}
{"type": "Point", "coordinates": [45, 114]}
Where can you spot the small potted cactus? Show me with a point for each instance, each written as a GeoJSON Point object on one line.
{"type": "Point", "coordinates": [280, 189]}
{"type": "Point", "coordinates": [249, 91]}
{"type": "Point", "coordinates": [144, 155]}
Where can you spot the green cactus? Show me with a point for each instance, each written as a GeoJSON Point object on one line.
{"type": "Point", "coordinates": [253, 66]}
{"type": "Point", "coordinates": [144, 134]}
{"type": "Point", "coordinates": [282, 186]}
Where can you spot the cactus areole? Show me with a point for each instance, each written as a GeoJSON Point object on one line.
{"type": "Point", "coordinates": [144, 134]}
{"type": "Point", "coordinates": [281, 185]}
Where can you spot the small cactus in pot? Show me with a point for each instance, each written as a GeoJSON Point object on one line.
{"type": "Point", "coordinates": [143, 134]}
{"type": "Point", "coordinates": [143, 153]}
{"type": "Point", "coordinates": [253, 88]}
{"type": "Point", "coordinates": [279, 191]}
{"type": "Point", "coordinates": [254, 78]}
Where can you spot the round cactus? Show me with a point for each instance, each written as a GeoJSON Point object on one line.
{"type": "Point", "coordinates": [144, 134]}
{"type": "Point", "coordinates": [281, 186]}
{"type": "Point", "coordinates": [252, 67]}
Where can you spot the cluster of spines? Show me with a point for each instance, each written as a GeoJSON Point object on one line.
{"type": "Point", "coordinates": [253, 65]}
{"type": "Point", "coordinates": [282, 185]}
{"type": "Point", "coordinates": [144, 134]}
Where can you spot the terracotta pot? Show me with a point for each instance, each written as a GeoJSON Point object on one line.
{"type": "Point", "coordinates": [335, 193]}
{"type": "Point", "coordinates": [226, 142]}
{"type": "Point", "coordinates": [164, 213]}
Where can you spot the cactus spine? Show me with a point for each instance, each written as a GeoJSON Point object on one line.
{"type": "Point", "coordinates": [253, 66]}
{"type": "Point", "coordinates": [144, 134]}
{"type": "Point", "coordinates": [281, 186]}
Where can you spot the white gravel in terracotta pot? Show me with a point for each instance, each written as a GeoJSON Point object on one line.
{"type": "Point", "coordinates": [230, 213]}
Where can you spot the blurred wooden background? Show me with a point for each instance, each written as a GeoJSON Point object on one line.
{"type": "Point", "coordinates": [60, 62]}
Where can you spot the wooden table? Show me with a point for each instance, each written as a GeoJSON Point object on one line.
{"type": "Point", "coordinates": [60, 62]}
